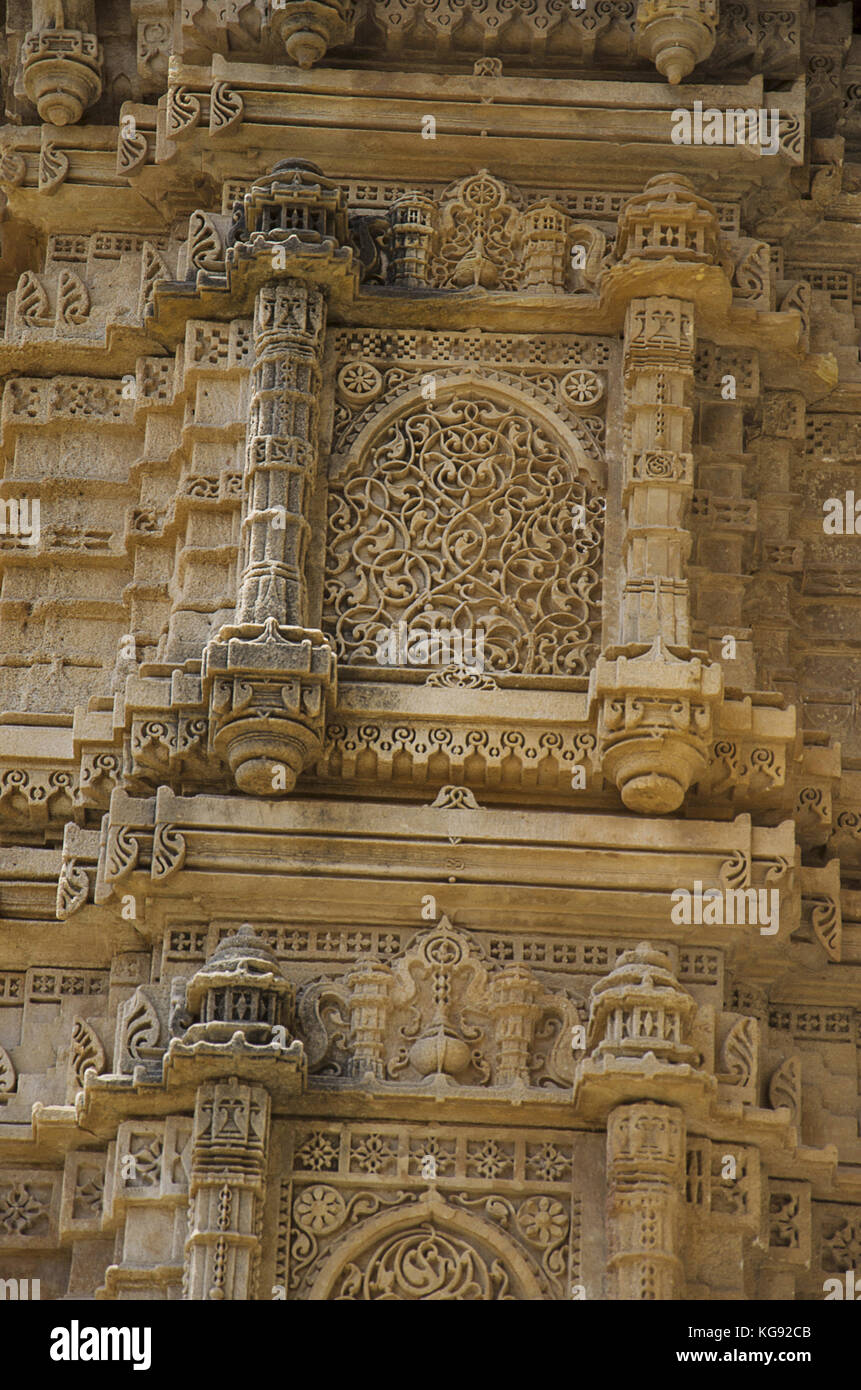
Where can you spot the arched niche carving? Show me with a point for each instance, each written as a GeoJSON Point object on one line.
{"type": "Point", "coordinates": [429, 1251]}
{"type": "Point", "coordinates": [476, 510]}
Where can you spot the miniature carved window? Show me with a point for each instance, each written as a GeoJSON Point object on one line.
{"type": "Point", "coordinates": [467, 515]}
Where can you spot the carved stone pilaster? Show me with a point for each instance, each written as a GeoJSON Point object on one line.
{"type": "Point", "coordinates": [657, 700]}
{"type": "Point", "coordinates": [228, 1165]}
{"type": "Point", "coordinates": [269, 676]}
{"type": "Point", "coordinates": [659, 368]}
{"type": "Point", "coordinates": [645, 1173]}
{"type": "Point", "coordinates": [676, 34]}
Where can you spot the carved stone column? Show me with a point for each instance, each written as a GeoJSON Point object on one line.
{"type": "Point", "coordinates": [645, 1175]}
{"type": "Point", "coordinates": [271, 676]}
{"type": "Point", "coordinates": [545, 245]}
{"type": "Point", "coordinates": [514, 995]}
{"type": "Point", "coordinates": [411, 223]}
{"type": "Point", "coordinates": [657, 699]}
{"type": "Point", "coordinates": [281, 455]}
{"type": "Point", "coordinates": [228, 1164]}
{"type": "Point", "coordinates": [659, 372]}
{"type": "Point", "coordinates": [369, 985]}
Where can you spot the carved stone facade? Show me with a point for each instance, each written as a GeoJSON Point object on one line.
{"type": "Point", "coordinates": [430, 754]}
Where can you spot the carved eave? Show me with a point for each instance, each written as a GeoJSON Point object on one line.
{"type": "Point", "coordinates": [638, 117]}
{"type": "Point", "coordinates": [775, 335]}
{"type": "Point", "coordinates": [180, 151]}
{"type": "Point", "coordinates": [406, 32]}
{"type": "Point", "coordinates": [223, 298]}
{"type": "Point", "coordinates": [643, 861]}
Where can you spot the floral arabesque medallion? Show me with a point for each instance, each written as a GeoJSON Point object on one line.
{"type": "Point", "coordinates": [424, 1265]}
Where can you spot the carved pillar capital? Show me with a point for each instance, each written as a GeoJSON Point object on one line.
{"type": "Point", "coordinates": [269, 693]}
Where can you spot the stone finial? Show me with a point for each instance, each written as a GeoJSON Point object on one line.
{"type": "Point", "coordinates": [295, 200]}
{"type": "Point", "coordinates": [669, 218]}
{"type": "Point", "coordinates": [240, 989]}
{"type": "Point", "coordinates": [640, 1008]}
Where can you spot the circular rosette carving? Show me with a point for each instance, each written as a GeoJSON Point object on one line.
{"type": "Point", "coordinates": [543, 1221]}
{"type": "Point", "coordinates": [658, 464]}
{"type": "Point", "coordinates": [425, 1265]}
{"type": "Point", "coordinates": [581, 389]}
{"type": "Point", "coordinates": [467, 517]}
{"type": "Point", "coordinates": [320, 1209]}
{"type": "Point", "coordinates": [443, 952]}
{"type": "Point", "coordinates": [359, 382]}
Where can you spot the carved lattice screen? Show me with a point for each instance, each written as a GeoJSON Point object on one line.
{"type": "Point", "coordinates": [468, 514]}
